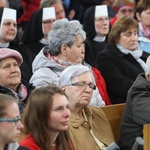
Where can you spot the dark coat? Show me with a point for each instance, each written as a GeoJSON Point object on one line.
{"type": "Point", "coordinates": [29, 88]}
{"type": "Point", "coordinates": [33, 31]}
{"type": "Point", "coordinates": [29, 51]}
{"type": "Point", "coordinates": [22, 148]}
{"type": "Point", "coordinates": [136, 113]}
{"type": "Point", "coordinates": [119, 71]}
{"type": "Point", "coordinates": [31, 46]}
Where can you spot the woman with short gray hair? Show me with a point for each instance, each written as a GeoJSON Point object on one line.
{"type": "Point", "coordinates": [64, 33]}
{"type": "Point", "coordinates": [65, 48]}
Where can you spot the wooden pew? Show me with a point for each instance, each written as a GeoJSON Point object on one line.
{"type": "Point", "coordinates": [146, 136]}
{"type": "Point", "coordinates": [114, 115]}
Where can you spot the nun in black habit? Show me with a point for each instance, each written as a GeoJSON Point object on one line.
{"type": "Point", "coordinates": [35, 37]}
{"type": "Point", "coordinates": [96, 26]}
{"type": "Point", "coordinates": [8, 28]}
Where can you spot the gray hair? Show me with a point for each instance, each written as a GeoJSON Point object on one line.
{"type": "Point", "coordinates": [64, 32]}
{"type": "Point", "coordinates": [72, 71]}
{"type": "Point", "coordinates": [48, 3]}
{"type": "Point", "coordinates": [147, 68]}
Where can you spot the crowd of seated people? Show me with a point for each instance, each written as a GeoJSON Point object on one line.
{"type": "Point", "coordinates": [72, 58]}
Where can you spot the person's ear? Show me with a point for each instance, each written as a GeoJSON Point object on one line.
{"type": "Point", "coordinates": [64, 49]}
{"type": "Point", "coordinates": [63, 88]}
{"type": "Point", "coordinates": [138, 16]}
{"type": "Point", "coordinates": [148, 77]}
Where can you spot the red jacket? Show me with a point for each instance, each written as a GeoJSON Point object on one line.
{"type": "Point", "coordinates": [101, 85]}
{"type": "Point", "coordinates": [112, 20]}
{"type": "Point", "coordinates": [29, 6]}
{"type": "Point", "coordinates": [29, 142]}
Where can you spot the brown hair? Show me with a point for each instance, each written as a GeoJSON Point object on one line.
{"type": "Point", "coordinates": [36, 117]}
{"type": "Point", "coordinates": [121, 25]}
{"type": "Point", "coordinates": [142, 5]}
{"type": "Point", "coordinates": [6, 100]}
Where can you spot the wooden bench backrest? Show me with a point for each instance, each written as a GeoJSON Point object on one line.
{"type": "Point", "coordinates": [146, 136]}
{"type": "Point", "coordinates": [114, 116]}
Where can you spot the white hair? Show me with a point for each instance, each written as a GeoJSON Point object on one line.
{"type": "Point", "coordinates": [72, 71]}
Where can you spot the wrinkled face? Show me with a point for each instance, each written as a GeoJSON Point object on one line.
{"type": "Point", "coordinates": [80, 96]}
{"type": "Point", "coordinates": [125, 11]}
{"type": "Point", "coordinates": [144, 18]}
{"type": "Point", "coordinates": [47, 26]}
{"type": "Point", "coordinates": [75, 53]}
{"type": "Point", "coordinates": [129, 39]}
{"type": "Point", "coordinates": [10, 75]}
{"type": "Point", "coordinates": [8, 30]}
{"type": "Point", "coordinates": [60, 12]}
{"type": "Point", "coordinates": [102, 25]}
{"type": "Point", "coordinates": [60, 113]}
{"type": "Point", "coordinates": [10, 131]}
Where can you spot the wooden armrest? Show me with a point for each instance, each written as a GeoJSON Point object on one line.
{"type": "Point", "coordinates": [146, 136]}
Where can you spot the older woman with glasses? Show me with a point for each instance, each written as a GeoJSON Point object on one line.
{"type": "Point", "coordinates": [89, 128]}
{"type": "Point", "coordinates": [10, 124]}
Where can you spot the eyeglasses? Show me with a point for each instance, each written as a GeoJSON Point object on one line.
{"type": "Point", "coordinates": [15, 120]}
{"type": "Point", "coordinates": [126, 10]}
{"type": "Point", "coordinates": [83, 84]}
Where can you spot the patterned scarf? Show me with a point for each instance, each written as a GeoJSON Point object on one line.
{"type": "Point", "coordinates": [144, 30]}
{"type": "Point", "coordinates": [20, 93]}
{"type": "Point", "coordinates": [59, 61]}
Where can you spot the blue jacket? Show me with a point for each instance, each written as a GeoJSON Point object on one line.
{"type": "Point", "coordinates": [144, 42]}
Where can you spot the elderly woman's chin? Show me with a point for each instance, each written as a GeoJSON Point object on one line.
{"type": "Point", "coordinates": [15, 82]}
{"type": "Point", "coordinates": [85, 102]}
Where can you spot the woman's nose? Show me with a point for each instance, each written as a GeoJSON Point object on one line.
{"type": "Point", "coordinates": [67, 113]}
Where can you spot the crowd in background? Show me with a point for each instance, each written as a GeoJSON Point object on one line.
{"type": "Point", "coordinates": [88, 54]}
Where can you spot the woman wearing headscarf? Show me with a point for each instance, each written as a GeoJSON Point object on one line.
{"type": "Point", "coordinates": [35, 37]}
{"type": "Point", "coordinates": [8, 28]}
{"type": "Point", "coordinates": [123, 8]}
{"type": "Point", "coordinates": [96, 25]}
